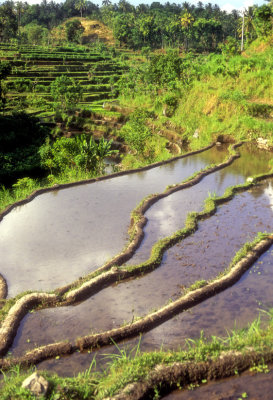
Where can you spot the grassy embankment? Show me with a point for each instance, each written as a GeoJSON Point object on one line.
{"type": "Point", "coordinates": [229, 95]}
{"type": "Point", "coordinates": [131, 367]}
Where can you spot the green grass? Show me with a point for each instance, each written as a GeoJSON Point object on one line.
{"type": "Point", "coordinates": [234, 100]}
{"type": "Point", "coordinates": [132, 365]}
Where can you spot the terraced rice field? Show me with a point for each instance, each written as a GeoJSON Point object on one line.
{"type": "Point", "coordinates": [34, 68]}
{"type": "Point", "coordinates": [101, 255]}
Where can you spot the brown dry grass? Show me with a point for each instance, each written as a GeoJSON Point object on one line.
{"type": "Point", "coordinates": [96, 29]}
{"type": "Point", "coordinates": [211, 104]}
{"type": "Point", "coordinates": [93, 31]}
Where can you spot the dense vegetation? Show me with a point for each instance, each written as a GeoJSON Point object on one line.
{"type": "Point", "coordinates": [200, 88]}
{"type": "Point", "coordinates": [176, 77]}
{"type": "Point", "coordinates": [199, 27]}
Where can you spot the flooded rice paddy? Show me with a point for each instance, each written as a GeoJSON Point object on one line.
{"type": "Point", "coordinates": [65, 234]}
{"type": "Point", "coordinates": [203, 255]}
{"type": "Point", "coordinates": [169, 214]}
{"type": "Point", "coordinates": [62, 235]}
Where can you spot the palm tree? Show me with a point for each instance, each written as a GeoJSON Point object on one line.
{"type": "Point", "coordinates": [248, 21]}
{"type": "Point", "coordinates": [106, 3]}
{"type": "Point", "coordinates": [80, 5]}
{"type": "Point", "coordinates": [20, 8]}
{"type": "Point", "coordinates": [186, 22]}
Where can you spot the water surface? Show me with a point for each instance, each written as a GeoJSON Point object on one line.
{"type": "Point", "coordinates": [169, 214]}
{"type": "Point", "coordinates": [65, 234]}
{"type": "Point", "coordinates": [202, 256]}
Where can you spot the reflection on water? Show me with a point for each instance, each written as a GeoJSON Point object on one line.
{"type": "Point", "coordinates": [269, 194]}
{"type": "Point", "coordinates": [201, 256]}
{"type": "Point", "coordinates": [169, 214]}
{"type": "Point", "coordinates": [235, 307]}
{"type": "Point", "coordinates": [65, 234]}
{"type": "Point", "coordinates": [77, 229]}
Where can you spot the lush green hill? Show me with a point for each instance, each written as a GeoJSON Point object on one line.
{"type": "Point", "coordinates": [228, 95]}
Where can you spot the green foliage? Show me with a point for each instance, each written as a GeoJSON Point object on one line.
{"type": "Point", "coordinates": [230, 47]}
{"type": "Point", "coordinates": [81, 152]}
{"type": "Point", "coordinates": [167, 70]}
{"type": "Point", "coordinates": [8, 21]}
{"type": "Point", "coordinates": [5, 70]}
{"type": "Point", "coordinates": [24, 184]}
{"type": "Point", "coordinates": [66, 92]}
{"type": "Point", "coordinates": [35, 34]}
{"type": "Point", "coordinates": [22, 85]}
{"type": "Point", "coordinates": [170, 101]}
{"type": "Point", "coordinates": [74, 30]}
{"type": "Point", "coordinates": [208, 33]}
{"type": "Point", "coordinates": [135, 132]}
{"type": "Point", "coordinates": [263, 17]}
{"type": "Point", "coordinates": [20, 139]}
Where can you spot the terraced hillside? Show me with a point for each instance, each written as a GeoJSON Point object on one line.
{"type": "Point", "coordinates": [34, 69]}
{"type": "Point", "coordinates": [97, 276]}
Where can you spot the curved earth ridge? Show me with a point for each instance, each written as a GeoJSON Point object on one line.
{"type": "Point", "coordinates": [21, 308]}
{"type": "Point", "coordinates": [166, 377]}
{"type": "Point", "coordinates": [10, 325]}
{"type": "Point", "coordinates": [145, 324]}
{"type": "Point", "coordinates": [131, 246]}
{"type": "Point", "coordinates": [138, 222]}
{"type": "Point", "coordinates": [136, 226]}
{"type": "Point", "coordinates": [93, 285]}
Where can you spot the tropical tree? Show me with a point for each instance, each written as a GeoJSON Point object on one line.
{"type": "Point", "coordinates": [263, 20]}
{"type": "Point", "coordinates": [135, 132]}
{"type": "Point", "coordinates": [249, 26]}
{"type": "Point", "coordinates": [81, 152]}
{"type": "Point", "coordinates": [36, 34]}
{"type": "Point", "coordinates": [186, 23]}
{"type": "Point", "coordinates": [208, 33]}
{"type": "Point", "coordinates": [8, 21]}
{"type": "Point", "coordinates": [106, 3]}
{"type": "Point", "coordinates": [92, 154]}
{"type": "Point", "coordinates": [66, 92]}
{"type": "Point", "coordinates": [80, 5]}
{"type": "Point", "coordinates": [20, 8]}
{"type": "Point", "coordinates": [74, 30]}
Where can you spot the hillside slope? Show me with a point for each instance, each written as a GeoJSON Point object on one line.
{"type": "Point", "coordinates": [227, 95]}
{"type": "Point", "coordinates": [94, 31]}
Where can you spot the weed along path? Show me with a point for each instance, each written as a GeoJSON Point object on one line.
{"type": "Point", "coordinates": [193, 280]}
{"type": "Point", "coordinates": [64, 234]}
{"type": "Point", "coordinates": [201, 256]}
